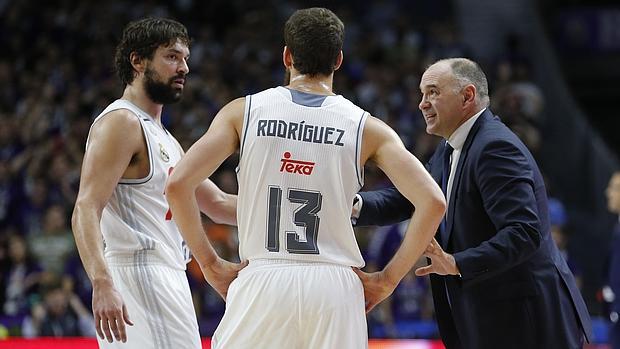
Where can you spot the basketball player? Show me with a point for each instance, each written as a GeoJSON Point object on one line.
{"type": "Point", "coordinates": [138, 268]}
{"type": "Point", "coordinates": [302, 152]}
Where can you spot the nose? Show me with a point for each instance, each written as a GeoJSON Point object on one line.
{"type": "Point", "coordinates": [424, 104]}
{"type": "Point", "coordinates": [183, 67]}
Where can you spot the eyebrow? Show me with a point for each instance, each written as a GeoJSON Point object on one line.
{"type": "Point", "coordinates": [170, 49]}
{"type": "Point", "coordinates": [429, 86]}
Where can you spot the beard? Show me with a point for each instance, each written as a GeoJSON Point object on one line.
{"type": "Point", "coordinates": [161, 92]}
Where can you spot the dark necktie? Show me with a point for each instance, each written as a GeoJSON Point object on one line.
{"type": "Point", "coordinates": [445, 174]}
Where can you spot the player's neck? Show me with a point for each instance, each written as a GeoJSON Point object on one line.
{"type": "Point", "coordinates": [320, 84]}
{"type": "Point", "coordinates": [138, 96]}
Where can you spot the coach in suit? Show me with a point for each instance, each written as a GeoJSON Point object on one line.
{"type": "Point", "coordinates": [497, 277]}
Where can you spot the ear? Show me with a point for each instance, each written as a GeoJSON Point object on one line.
{"type": "Point", "coordinates": [138, 63]}
{"type": "Point", "coordinates": [339, 60]}
{"type": "Point", "coordinates": [287, 58]}
{"type": "Point", "coordinates": [469, 95]}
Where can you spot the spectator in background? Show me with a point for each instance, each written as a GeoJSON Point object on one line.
{"type": "Point", "coordinates": [517, 100]}
{"type": "Point", "coordinates": [557, 221]}
{"type": "Point", "coordinates": [10, 196]}
{"type": "Point", "coordinates": [54, 244]}
{"type": "Point", "coordinates": [34, 206]}
{"type": "Point", "coordinates": [62, 179]}
{"type": "Point", "coordinates": [76, 280]}
{"type": "Point", "coordinates": [19, 281]}
{"type": "Point", "coordinates": [445, 43]}
{"type": "Point", "coordinates": [10, 144]}
{"type": "Point", "coordinates": [61, 314]}
{"type": "Point", "coordinates": [613, 204]}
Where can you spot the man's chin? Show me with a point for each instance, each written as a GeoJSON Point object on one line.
{"type": "Point", "coordinates": [178, 95]}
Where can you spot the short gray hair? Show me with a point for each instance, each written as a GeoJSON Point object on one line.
{"type": "Point", "coordinates": [467, 72]}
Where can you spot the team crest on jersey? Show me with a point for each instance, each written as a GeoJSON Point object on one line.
{"type": "Point", "coordinates": [296, 166]}
{"type": "Point", "coordinates": [163, 153]}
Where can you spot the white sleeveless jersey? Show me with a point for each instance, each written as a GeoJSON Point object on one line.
{"type": "Point", "coordinates": [298, 173]}
{"type": "Point", "coordinates": [137, 217]}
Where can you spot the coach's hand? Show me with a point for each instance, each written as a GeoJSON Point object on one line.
{"type": "Point", "coordinates": [109, 311]}
{"type": "Point", "coordinates": [442, 263]}
{"type": "Point", "coordinates": [377, 287]}
{"type": "Point", "coordinates": [221, 273]}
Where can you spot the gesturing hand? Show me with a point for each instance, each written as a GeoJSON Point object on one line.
{"type": "Point", "coordinates": [110, 312]}
{"type": "Point", "coordinates": [377, 287]}
{"type": "Point", "coordinates": [442, 263]}
{"type": "Point", "coordinates": [221, 273]}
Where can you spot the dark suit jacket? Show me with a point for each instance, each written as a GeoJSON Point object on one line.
{"type": "Point", "coordinates": [515, 289]}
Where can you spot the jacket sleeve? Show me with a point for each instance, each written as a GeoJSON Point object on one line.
{"type": "Point", "coordinates": [384, 207]}
{"type": "Point", "coordinates": [506, 183]}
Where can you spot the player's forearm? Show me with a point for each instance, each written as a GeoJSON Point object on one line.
{"type": "Point", "coordinates": [219, 207]}
{"type": "Point", "coordinates": [420, 231]}
{"type": "Point", "coordinates": [86, 230]}
{"type": "Point", "coordinates": [186, 215]}
{"type": "Point", "coordinates": [227, 210]}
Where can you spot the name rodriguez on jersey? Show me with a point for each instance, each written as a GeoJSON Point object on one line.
{"type": "Point", "coordinates": [300, 132]}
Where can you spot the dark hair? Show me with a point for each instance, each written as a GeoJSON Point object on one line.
{"type": "Point", "coordinates": [315, 37]}
{"type": "Point", "coordinates": [144, 37]}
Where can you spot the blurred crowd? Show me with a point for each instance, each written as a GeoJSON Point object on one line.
{"type": "Point", "coordinates": [56, 75]}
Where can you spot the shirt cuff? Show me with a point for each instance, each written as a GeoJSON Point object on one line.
{"type": "Point", "coordinates": [357, 208]}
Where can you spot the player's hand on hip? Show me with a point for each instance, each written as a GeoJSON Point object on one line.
{"type": "Point", "coordinates": [109, 311]}
{"type": "Point", "coordinates": [442, 263]}
{"type": "Point", "coordinates": [377, 287]}
{"type": "Point", "coordinates": [221, 274]}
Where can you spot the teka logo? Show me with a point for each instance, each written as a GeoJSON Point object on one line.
{"type": "Point", "coordinates": [296, 166]}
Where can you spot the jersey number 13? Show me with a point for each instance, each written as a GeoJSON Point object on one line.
{"type": "Point", "coordinates": [305, 216]}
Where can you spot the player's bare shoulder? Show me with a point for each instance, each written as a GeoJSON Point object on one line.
{"type": "Point", "coordinates": [233, 113]}
{"type": "Point", "coordinates": [376, 133]}
{"type": "Point", "coordinates": [235, 109]}
{"type": "Point", "coordinates": [236, 104]}
{"type": "Point", "coordinates": [119, 132]}
{"type": "Point", "coordinates": [116, 124]}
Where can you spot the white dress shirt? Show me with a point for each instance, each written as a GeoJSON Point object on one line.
{"type": "Point", "coordinates": [456, 141]}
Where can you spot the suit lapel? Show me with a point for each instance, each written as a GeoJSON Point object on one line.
{"type": "Point", "coordinates": [459, 171]}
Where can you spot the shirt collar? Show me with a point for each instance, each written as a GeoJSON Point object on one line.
{"type": "Point", "coordinates": [458, 137]}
